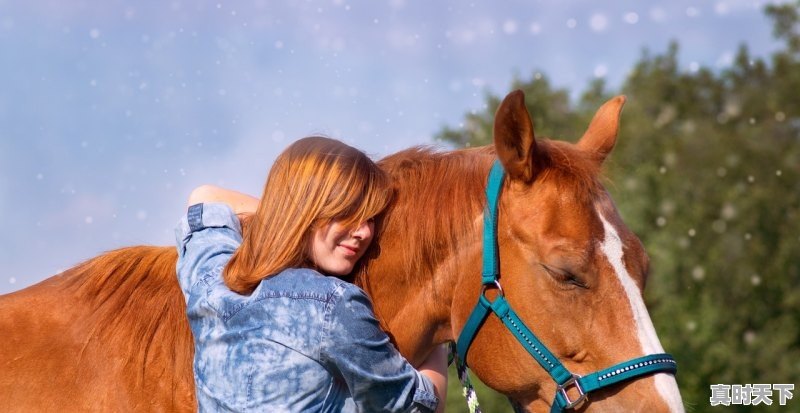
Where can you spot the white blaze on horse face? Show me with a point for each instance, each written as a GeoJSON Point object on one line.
{"type": "Point", "coordinates": [648, 340]}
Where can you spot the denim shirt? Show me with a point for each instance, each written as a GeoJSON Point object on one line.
{"type": "Point", "coordinates": [300, 342]}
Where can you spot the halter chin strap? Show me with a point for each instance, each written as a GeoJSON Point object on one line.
{"type": "Point", "coordinates": [572, 389]}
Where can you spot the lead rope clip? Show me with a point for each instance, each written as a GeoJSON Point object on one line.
{"type": "Point", "coordinates": [468, 390]}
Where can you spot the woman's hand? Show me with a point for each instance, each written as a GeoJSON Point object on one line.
{"type": "Point", "coordinates": [435, 368]}
{"type": "Point", "coordinates": [242, 204]}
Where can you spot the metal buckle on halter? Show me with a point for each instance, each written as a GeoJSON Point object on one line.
{"type": "Point", "coordinates": [562, 388]}
{"type": "Point", "coordinates": [496, 285]}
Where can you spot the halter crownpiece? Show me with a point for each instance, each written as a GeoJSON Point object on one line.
{"type": "Point", "coordinates": [565, 380]}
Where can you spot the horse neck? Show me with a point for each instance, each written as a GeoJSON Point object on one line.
{"type": "Point", "coordinates": [430, 240]}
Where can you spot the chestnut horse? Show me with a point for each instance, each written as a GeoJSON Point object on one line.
{"type": "Point", "coordinates": [111, 334]}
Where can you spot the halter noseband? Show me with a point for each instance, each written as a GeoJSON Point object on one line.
{"type": "Point", "coordinates": [565, 380]}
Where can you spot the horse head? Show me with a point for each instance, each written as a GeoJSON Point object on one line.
{"type": "Point", "coordinates": [569, 267]}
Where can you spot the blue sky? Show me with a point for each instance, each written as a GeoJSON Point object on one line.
{"type": "Point", "coordinates": [112, 111]}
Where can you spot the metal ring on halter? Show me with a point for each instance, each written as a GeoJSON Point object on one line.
{"type": "Point", "coordinates": [562, 388]}
{"type": "Point", "coordinates": [496, 285]}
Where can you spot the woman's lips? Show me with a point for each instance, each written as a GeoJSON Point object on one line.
{"type": "Point", "coordinates": [348, 250]}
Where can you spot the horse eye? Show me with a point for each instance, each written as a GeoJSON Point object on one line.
{"type": "Point", "coordinates": [564, 276]}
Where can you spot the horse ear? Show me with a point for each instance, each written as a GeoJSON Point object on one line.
{"type": "Point", "coordinates": [601, 135]}
{"type": "Point", "coordinates": [513, 137]}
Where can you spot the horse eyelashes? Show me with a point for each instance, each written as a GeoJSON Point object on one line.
{"type": "Point", "coordinates": [564, 277]}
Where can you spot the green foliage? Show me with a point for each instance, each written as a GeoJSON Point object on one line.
{"type": "Point", "coordinates": [707, 172]}
{"type": "Point", "coordinates": [490, 401]}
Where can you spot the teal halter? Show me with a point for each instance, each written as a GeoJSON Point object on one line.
{"type": "Point", "coordinates": [500, 306]}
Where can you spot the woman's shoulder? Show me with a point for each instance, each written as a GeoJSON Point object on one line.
{"type": "Point", "coordinates": [306, 281]}
{"type": "Point", "coordinates": [297, 290]}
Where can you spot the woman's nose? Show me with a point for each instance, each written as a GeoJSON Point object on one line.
{"type": "Point", "coordinates": [363, 231]}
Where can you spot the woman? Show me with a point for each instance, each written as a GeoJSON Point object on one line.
{"type": "Point", "coordinates": [274, 328]}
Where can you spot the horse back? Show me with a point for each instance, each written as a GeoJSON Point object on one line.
{"type": "Point", "coordinates": [110, 334]}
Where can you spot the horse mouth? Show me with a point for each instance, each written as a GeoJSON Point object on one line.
{"type": "Point", "coordinates": [517, 406]}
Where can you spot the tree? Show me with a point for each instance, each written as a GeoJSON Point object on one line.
{"type": "Point", "coordinates": [707, 173]}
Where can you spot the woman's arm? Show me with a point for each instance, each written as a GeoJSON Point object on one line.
{"type": "Point", "coordinates": [378, 377]}
{"type": "Point", "coordinates": [242, 204]}
{"type": "Point", "coordinates": [206, 235]}
{"type": "Point", "coordinates": [435, 368]}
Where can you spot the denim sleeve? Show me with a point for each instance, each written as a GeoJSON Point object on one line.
{"type": "Point", "coordinates": [378, 377]}
{"type": "Point", "coordinates": [207, 235]}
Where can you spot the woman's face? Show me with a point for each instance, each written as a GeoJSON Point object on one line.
{"type": "Point", "coordinates": [335, 249]}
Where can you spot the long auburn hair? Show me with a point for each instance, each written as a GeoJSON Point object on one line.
{"type": "Point", "coordinates": [315, 181]}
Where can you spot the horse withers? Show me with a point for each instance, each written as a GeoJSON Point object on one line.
{"type": "Point", "coordinates": [111, 334]}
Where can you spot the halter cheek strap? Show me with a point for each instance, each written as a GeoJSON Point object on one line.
{"type": "Point", "coordinates": [567, 382]}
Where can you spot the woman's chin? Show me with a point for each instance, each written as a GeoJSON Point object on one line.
{"type": "Point", "coordinates": [338, 270]}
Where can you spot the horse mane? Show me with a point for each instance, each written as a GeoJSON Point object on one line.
{"type": "Point", "coordinates": [427, 183]}
{"type": "Point", "coordinates": [135, 305]}
{"type": "Point", "coordinates": [570, 166]}
{"type": "Point", "coordinates": [430, 185]}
